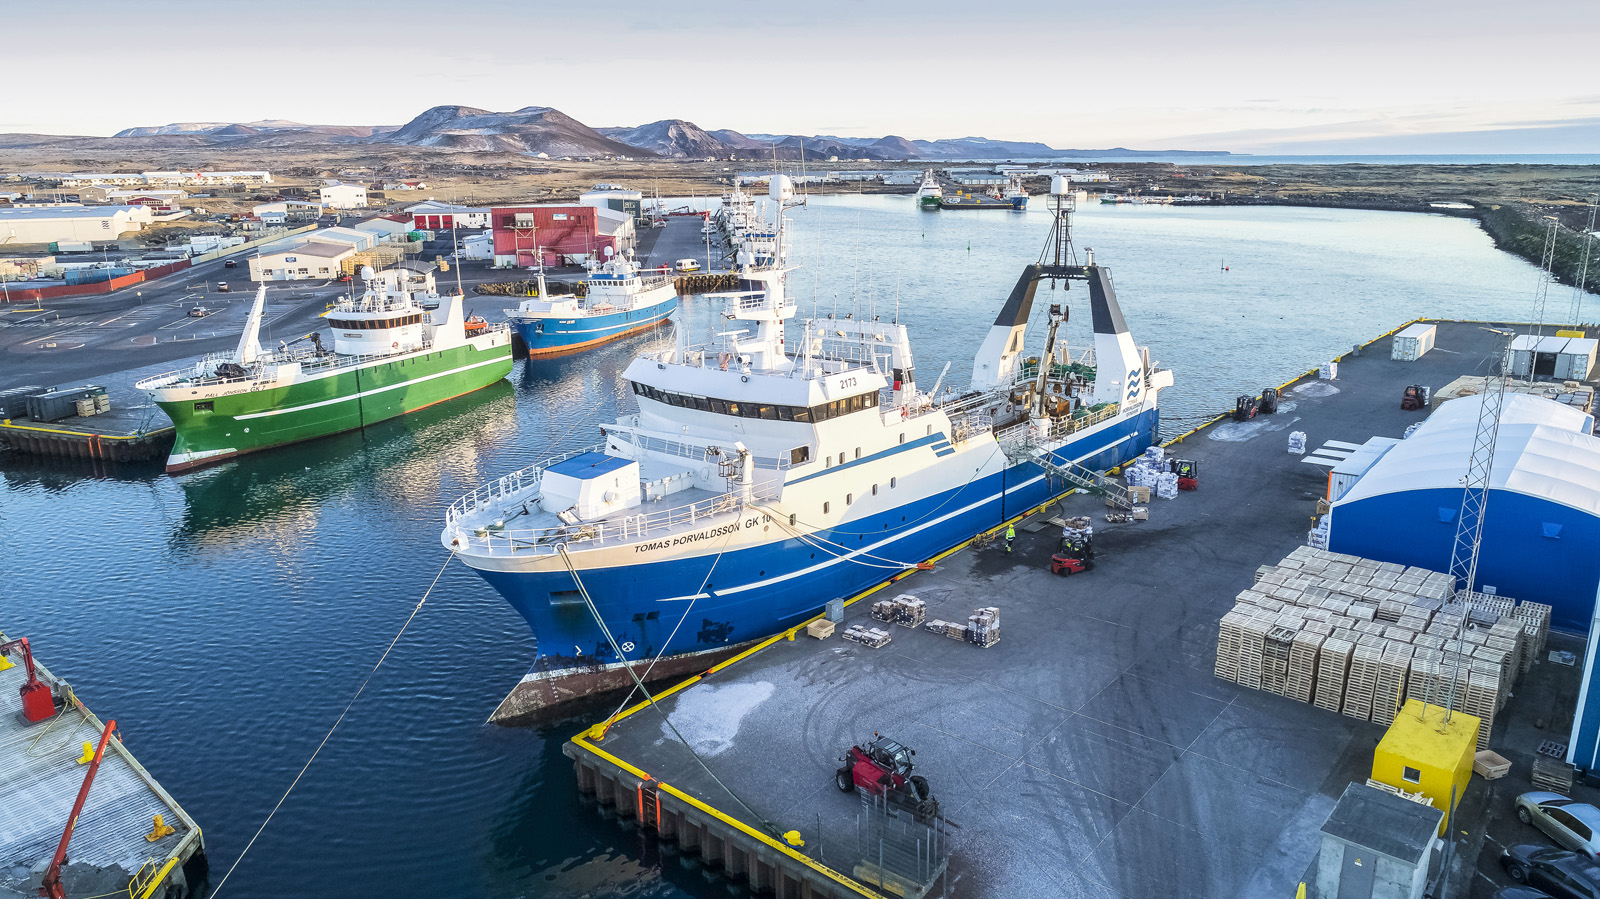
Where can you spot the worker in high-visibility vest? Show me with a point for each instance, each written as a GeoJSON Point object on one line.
{"type": "Point", "coordinates": [1011, 534]}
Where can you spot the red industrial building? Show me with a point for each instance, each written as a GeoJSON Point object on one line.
{"type": "Point", "coordinates": [566, 234]}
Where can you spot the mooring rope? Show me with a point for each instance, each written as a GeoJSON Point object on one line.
{"type": "Point", "coordinates": [340, 720]}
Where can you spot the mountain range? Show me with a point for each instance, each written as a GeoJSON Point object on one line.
{"type": "Point", "coordinates": [535, 130]}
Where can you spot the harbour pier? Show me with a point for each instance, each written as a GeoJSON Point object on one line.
{"type": "Point", "coordinates": [129, 836]}
{"type": "Point", "coordinates": [1091, 751]}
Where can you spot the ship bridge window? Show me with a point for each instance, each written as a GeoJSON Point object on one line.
{"type": "Point", "coordinates": [768, 412]}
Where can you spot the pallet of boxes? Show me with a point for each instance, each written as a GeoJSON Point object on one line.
{"type": "Point", "coordinates": [982, 628]}
{"type": "Point", "coordinates": [1360, 637]}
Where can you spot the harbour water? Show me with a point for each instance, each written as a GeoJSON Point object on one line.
{"type": "Point", "coordinates": [226, 616]}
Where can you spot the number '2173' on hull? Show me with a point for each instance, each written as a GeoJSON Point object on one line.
{"type": "Point", "coordinates": [755, 589]}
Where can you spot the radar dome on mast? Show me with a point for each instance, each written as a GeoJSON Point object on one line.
{"type": "Point", "coordinates": [367, 274]}
{"type": "Point", "coordinates": [1060, 185]}
{"type": "Point", "coordinates": [781, 189]}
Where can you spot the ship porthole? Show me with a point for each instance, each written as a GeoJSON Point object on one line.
{"type": "Point", "coordinates": [762, 574]}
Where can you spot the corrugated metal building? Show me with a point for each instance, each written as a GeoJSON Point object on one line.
{"type": "Point", "coordinates": [436, 216]}
{"type": "Point", "coordinates": [1542, 520]}
{"type": "Point", "coordinates": [49, 224]}
{"type": "Point", "coordinates": [565, 233]}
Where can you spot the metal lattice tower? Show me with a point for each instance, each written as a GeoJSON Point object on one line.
{"type": "Point", "coordinates": [1546, 267]}
{"type": "Point", "coordinates": [1581, 286]}
{"type": "Point", "coordinates": [1475, 497]}
{"type": "Point", "coordinates": [1475, 493]}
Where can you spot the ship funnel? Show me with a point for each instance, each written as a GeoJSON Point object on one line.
{"type": "Point", "coordinates": [1060, 185]}
{"type": "Point", "coordinates": [781, 189]}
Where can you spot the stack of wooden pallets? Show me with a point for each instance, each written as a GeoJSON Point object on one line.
{"type": "Point", "coordinates": [1275, 659]}
{"type": "Point", "coordinates": [1333, 666]}
{"type": "Point", "coordinates": [1535, 618]}
{"type": "Point", "coordinates": [1363, 677]}
{"type": "Point", "coordinates": [1359, 637]}
{"type": "Point", "coordinates": [1303, 661]}
{"type": "Point", "coordinates": [1390, 691]}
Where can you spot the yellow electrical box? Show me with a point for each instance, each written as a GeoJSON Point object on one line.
{"type": "Point", "coordinates": [1569, 334]}
{"type": "Point", "coordinates": [1422, 753]}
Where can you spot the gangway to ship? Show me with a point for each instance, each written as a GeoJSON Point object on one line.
{"type": "Point", "coordinates": [1087, 480]}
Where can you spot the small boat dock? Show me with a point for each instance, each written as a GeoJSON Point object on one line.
{"type": "Point", "coordinates": [43, 766]}
{"type": "Point", "coordinates": [1090, 751]}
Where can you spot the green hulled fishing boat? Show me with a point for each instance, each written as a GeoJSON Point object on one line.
{"type": "Point", "coordinates": [390, 356]}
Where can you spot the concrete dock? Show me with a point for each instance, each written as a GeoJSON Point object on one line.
{"type": "Point", "coordinates": [133, 430]}
{"type": "Point", "coordinates": [40, 775]}
{"type": "Point", "coordinates": [1091, 752]}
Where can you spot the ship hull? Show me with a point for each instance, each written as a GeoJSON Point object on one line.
{"type": "Point", "coordinates": [213, 425]}
{"type": "Point", "coordinates": [553, 336]}
{"type": "Point", "coordinates": [759, 590]}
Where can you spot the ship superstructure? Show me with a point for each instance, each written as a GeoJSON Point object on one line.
{"type": "Point", "coordinates": [620, 298]}
{"type": "Point", "coordinates": [390, 356]}
{"type": "Point", "coordinates": [761, 478]}
{"type": "Point", "coordinates": [929, 192]}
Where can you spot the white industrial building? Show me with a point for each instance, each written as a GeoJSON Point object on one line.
{"type": "Point", "coordinates": [1542, 508]}
{"type": "Point", "coordinates": [360, 240]}
{"type": "Point", "coordinates": [48, 224]}
{"type": "Point", "coordinates": [287, 211]}
{"type": "Point", "coordinates": [478, 247]}
{"type": "Point", "coordinates": [434, 216]}
{"type": "Point", "coordinates": [385, 229]}
{"type": "Point", "coordinates": [314, 259]}
{"type": "Point", "coordinates": [340, 195]}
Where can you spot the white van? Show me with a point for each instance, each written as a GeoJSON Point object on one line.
{"type": "Point", "coordinates": [688, 265]}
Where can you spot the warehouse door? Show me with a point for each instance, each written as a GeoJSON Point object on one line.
{"type": "Point", "coordinates": [1355, 879]}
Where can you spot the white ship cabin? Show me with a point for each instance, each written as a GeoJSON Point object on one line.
{"type": "Point", "coordinates": [383, 321]}
{"type": "Point", "coordinates": [618, 280]}
{"type": "Point", "coordinates": [725, 425]}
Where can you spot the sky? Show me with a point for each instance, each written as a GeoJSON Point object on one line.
{"type": "Point", "coordinates": [1359, 76]}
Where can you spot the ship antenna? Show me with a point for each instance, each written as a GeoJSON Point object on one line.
{"type": "Point", "coordinates": [455, 246]}
{"type": "Point", "coordinates": [1062, 204]}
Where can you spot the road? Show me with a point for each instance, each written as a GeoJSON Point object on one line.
{"type": "Point", "coordinates": [74, 339]}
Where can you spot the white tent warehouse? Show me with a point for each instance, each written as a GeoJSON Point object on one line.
{"type": "Point", "coordinates": [1541, 526]}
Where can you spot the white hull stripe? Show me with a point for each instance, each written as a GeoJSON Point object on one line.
{"type": "Point", "coordinates": [367, 393]}
{"type": "Point", "coordinates": [898, 534]}
{"type": "Point", "coordinates": [528, 320]}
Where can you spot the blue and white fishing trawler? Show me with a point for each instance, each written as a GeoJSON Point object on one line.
{"type": "Point", "coordinates": [620, 298]}
{"type": "Point", "coordinates": [761, 478]}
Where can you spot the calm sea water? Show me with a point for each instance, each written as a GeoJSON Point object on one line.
{"type": "Point", "coordinates": [225, 617]}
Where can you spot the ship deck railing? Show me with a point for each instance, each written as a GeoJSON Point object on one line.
{"type": "Point", "coordinates": [1026, 435]}
{"type": "Point", "coordinates": [257, 370]}
{"type": "Point", "coordinates": [493, 539]}
{"type": "Point", "coordinates": [698, 453]}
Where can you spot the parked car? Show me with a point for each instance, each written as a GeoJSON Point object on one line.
{"type": "Point", "coordinates": [1520, 892]}
{"type": "Point", "coordinates": [222, 287]}
{"type": "Point", "coordinates": [199, 312]}
{"type": "Point", "coordinates": [231, 263]}
{"type": "Point", "coordinates": [1573, 825]}
{"type": "Point", "coordinates": [1562, 874]}
{"type": "Point", "coordinates": [688, 265]}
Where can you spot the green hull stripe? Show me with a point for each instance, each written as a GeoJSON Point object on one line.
{"type": "Point", "coordinates": [366, 393]}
